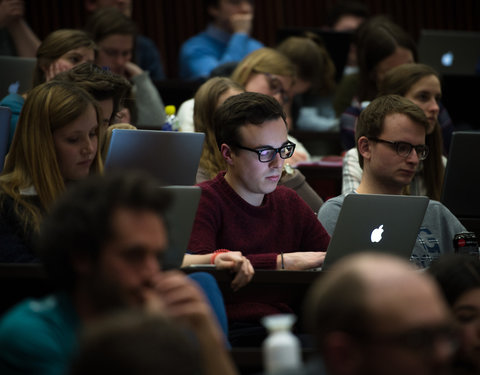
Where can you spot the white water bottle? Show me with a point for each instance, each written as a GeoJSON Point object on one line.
{"type": "Point", "coordinates": [281, 349]}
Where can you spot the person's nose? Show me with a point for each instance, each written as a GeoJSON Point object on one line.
{"type": "Point", "coordinates": [433, 106]}
{"type": "Point", "coordinates": [277, 161]}
{"type": "Point", "coordinates": [413, 158]}
{"type": "Point", "coordinates": [89, 147]}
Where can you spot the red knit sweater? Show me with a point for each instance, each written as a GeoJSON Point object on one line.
{"type": "Point", "coordinates": [284, 222]}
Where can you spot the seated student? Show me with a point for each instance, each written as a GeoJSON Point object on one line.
{"type": "Point", "coordinates": [115, 34]}
{"type": "Point", "coordinates": [102, 245]}
{"type": "Point", "coordinates": [147, 55]}
{"type": "Point", "coordinates": [242, 209]}
{"type": "Point", "coordinates": [391, 143]}
{"type": "Point", "coordinates": [375, 314]}
{"type": "Point", "coordinates": [227, 39]}
{"type": "Point", "coordinates": [107, 88]}
{"type": "Point", "coordinates": [312, 92]}
{"type": "Point", "coordinates": [420, 84]}
{"type": "Point", "coordinates": [381, 46]}
{"type": "Point", "coordinates": [60, 50]}
{"type": "Point", "coordinates": [16, 36]}
{"type": "Point", "coordinates": [265, 71]}
{"type": "Point", "coordinates": [459, 279]}
{"type": "Point", "coordinates": [209, 97]}
{"type": "Point", "coordinates": [56, 143]}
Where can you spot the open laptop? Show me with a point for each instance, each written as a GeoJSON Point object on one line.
{"type": "Point", "coordinates": [16, 74]}
{"type": "Point", "coordinates": [450, 51]}
{"type": "Point", "coordinates": [462, 175]}
{"type": "Point", "coordinates": [171, 157]}
{"type": "Point", "coordinates": [376, 222]}
{"type": "Point", "coordinates": [180, 217]}
{"type": "Point", "coordinates": [336, 43]}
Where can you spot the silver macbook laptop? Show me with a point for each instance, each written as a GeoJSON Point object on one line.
{"type": "Point", "coordinates": [449, 51]}
{"type": "Point", "coordinates": [462, 177]}
{"type": "Point", "coordinates": [180, 217]}
{"type": "Point", "coordinates": [376, 222]}
{"type": "Point", "coordinates": [171, 157]}
{"type": "Point", "coordinates": [16, 74]}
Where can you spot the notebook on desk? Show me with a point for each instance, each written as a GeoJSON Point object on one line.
{"type": "Point", "coordinates": [376, 222]}
{"type": "Point", "coordinates": [180, 217]}
{"type": "Point", "coordinates": [16, 74]}
{"type": "Point", "coordinates": [462, 175]}
{"type": "Point", "coordinates": [450, 51]}
{"type": "Point", "coordinates": [171, 157]}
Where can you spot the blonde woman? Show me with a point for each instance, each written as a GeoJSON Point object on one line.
{"type": "Point", "coordinates": [56, 143]}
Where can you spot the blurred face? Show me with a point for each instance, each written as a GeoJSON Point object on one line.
{"type": "Point", "coordinates": [270, 84]}
{"type": "Point", "coordinates": [389, 170]}
{"type": "Point", "coordinates": [249, 177]}
{"type": "Point", "coordinates": [411, 333]}
{"type": "Point", "coordinates": [348, 22]}
{"type": "Point", "coordinates": [227, 9]}
{"type": "Point", "coordinates": [467, 312]}
{"type": "Point", "coordinates": [78, 56]}
{"type": "Point", "coordinates": [426, 93]}
{"type": "Point", "coordinates": [129, 263]}
{"type": "Point", "coordinates": [400, 56]}
{"type": "Point", "coordinates": [114, 52]}
{"type": "Point", "coordinates": [76, 145]}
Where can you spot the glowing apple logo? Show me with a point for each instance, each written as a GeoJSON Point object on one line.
{"type": "Point", "coordinates": [376, 235]}
{"type": "Point", "coordinates": [447, 59]}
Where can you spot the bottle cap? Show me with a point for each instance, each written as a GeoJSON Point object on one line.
{"type": "Point", "coordinates": [170, 110]}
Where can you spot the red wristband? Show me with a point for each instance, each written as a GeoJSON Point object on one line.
{"type": "Point", "coordinates": [215, 253]}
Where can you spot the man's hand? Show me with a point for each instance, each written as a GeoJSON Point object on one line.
{"type": "Point", "coordinates": [11, 11]}
{"type": "Point", "coordinates": [55, 68]}
{"type": "Point", "coordinates": [132, 70]}
{"type": "Point", "coordinates": [242, 23]}
{"type": "Point", "coordinates": [302, 260]}
{"type": "Point", "coordinates": [235, 261]}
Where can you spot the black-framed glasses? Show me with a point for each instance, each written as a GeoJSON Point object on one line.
{"type": "Point", "coordinates": [267, 154]}
{"type": "Point", "coordinates": [404, 149]}
{"type": "Point", "coordinates": [276, 87]}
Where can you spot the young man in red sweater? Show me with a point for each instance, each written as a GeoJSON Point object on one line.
{"type": "Point", "coordinates": [242, 209]}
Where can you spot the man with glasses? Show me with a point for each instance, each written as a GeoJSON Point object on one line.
{"type": "Point", "coordinates": [242, 209]}
{"type": "Point", "coordinates": [390, 138]}
{"type": "Point", "coordinates": [376, 314]}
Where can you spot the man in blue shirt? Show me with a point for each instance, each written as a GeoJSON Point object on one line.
{"type": "Point", "coordinates": [226, 40]}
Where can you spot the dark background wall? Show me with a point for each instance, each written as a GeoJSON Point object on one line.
{"type": "Point", "coordinates": [170, 22]}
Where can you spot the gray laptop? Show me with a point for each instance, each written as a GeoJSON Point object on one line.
{"type": "Point", "coordinates": [171, 157]}
{"type": "Point", "coordinates": [16, 74]}
{"type": "Point", "coordinates": [180, 217]}
{"type": "Point", "coordinates": [376, 222]}
{"type": "Point", "coordinates": [450, 51]}
{"type": "Point", "coordinates": [462, 175]}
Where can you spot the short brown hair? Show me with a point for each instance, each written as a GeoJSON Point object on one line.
{"type": "Point", "coordinates": [371, 121]}
{"type": "Point", "coordinates": [243, 109]}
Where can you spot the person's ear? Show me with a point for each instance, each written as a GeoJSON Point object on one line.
{"type": "Point", "coordinates": [364, 147]}
{"type": "Point", "coordinates": [226, 152]}
{"type": "Point", "coordinates": [342, 354]}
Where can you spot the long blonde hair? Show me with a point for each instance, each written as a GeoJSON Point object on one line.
{"type": "Point", "coordinates": [206, 101]}
{"type": "Point", "coordinates": [263, 60]}
{"type": "Point", "coordinates": [32, 160]}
